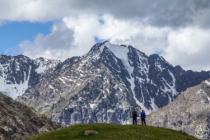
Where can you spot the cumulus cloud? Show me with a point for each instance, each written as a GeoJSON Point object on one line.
{"type": "Point", "coordinates": [73, 36]}
{"type": "Point", "coordinates": [189, 47]}
{"type": "Point", "coordinates": [176, 29]}
{"type": "Point", "coordinates": [161, 12]}
{"type": "Point", "coordinates": [32, 10]}
{"type": "Point", "coordinates": [54, 45]}
{"type": "Point", "coordinates": [76, 35]}
{"type": "Point", "coordinates": [70, 37]}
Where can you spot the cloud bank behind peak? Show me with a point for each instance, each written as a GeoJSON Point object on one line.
{"type": "Point", "coordinates": [176, 29]}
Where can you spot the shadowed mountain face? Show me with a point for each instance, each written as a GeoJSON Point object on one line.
{"type": "Point", "coordinates": [106, 83]}
{"type": "Point", "coordinates": [18, 121]}
{"type": "Point", "coordinates": [190, 112]}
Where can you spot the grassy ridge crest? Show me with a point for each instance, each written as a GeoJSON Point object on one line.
{"type": "Point", "coordinates": [114, 132]}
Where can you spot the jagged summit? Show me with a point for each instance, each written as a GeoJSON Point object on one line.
{"type": "Point", "coordinates": [156, 57]}
{"type": "Point", "coordinates": [18, 73]}
{"type": "Point", "coordinates": [45, 64]}
{"type": "Point", "coordinates": [112, 47]}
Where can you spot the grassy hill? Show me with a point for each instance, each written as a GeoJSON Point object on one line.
{"type": "Point", "coordinates": [114, 132]}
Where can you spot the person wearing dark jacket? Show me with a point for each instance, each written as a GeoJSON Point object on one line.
{"type": "Point", "coordinates": [134, 116]}
{"type": "Point", "coordinates": [143, 117]}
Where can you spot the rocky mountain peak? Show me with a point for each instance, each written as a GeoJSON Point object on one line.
{"type": "Point", "coordinates": [18, 73]}
{"type": "Point", "coordinates": [44, 64]}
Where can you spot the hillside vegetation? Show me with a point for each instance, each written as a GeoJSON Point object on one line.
{"type": "Point", "coordinates": [114, 132]}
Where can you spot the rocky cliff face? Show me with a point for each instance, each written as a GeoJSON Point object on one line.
{"type": "Point", "coordinates": [106, 84]}
{"type": "Point", "coordinates": [17, 122]}
{"type": "Point", "coordinates": [190, 112]}
{"type": "Point", "coordinates": [18, 73]}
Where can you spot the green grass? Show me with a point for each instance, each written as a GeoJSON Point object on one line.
{"type": "Point", "coordinates": [114, 132]}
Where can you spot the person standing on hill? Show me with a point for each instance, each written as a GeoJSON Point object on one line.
{"type": "Point", "coordinates": [143, 117]}
{"type": "Point", "coordinates": [134, 116]}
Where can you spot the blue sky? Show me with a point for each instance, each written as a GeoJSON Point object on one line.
{"type": "Point", "coordinates": [13, 33]}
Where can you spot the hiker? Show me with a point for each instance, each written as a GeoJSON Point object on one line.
{"type": "Point", "coordinates": [134, 116]}
{"type": "Point", "coordinates": [143, 117]}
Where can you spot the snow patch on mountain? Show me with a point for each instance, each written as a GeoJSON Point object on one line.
{"type": "Point", "coordinates": [13, 89]}
{"type": "Point", "coordinates": [18, 73]}
{"type": "Point", "coordinates": [207, 82]}
{"type": "Point", "coordinates": [45, 64]}
{"type": "Point", "coordinates": [121, 52]}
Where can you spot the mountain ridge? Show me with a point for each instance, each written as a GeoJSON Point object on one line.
{"type": "Point", "coordinates": [18, 73]}
{"type": "Point", "coordinates": [105, 84]}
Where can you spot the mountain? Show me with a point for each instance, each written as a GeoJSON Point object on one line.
{"type": "Point", "coordinates": [18, 73]}
{"type": "Point", "coordinates": [190, 112]}
{"type": "Point", "coordinates": [106, 84]}
{"type": "Point", "coordinates": [18, 122]}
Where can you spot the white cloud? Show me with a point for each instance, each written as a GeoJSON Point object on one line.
{"type": "Point", "coordinates": [76, 35]}
{"type": "Point", "coordinates": [161, 12]}
{"type": "Point", "coordinates": [73, 36]}
{"type": "Point", "coordinates": [85, 28]}
{"type": "Point", "coordinates": [176, 29]}
{"type": "Point", "coordinates": [145, 37]}
{"type": "Point", "coordinates": [55, 45]}
{"type": "Point", "coordinates": [33, 10]}
{"type": "Point", "coordinates": [189, 47]}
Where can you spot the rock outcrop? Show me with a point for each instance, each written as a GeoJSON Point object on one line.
{"type": "Point", "coordinates": [190, 112]}
{"type": "Point", "coordinates": [17, 121]}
